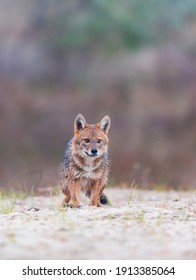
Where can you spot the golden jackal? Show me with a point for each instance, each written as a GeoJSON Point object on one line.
{"type": "Point", "coordinates": [86, 165]}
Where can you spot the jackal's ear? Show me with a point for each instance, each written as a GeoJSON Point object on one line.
{"type": "Point", "coordinates": [80, 123]}
{"type": "Point", "coordinates": [105, 124]}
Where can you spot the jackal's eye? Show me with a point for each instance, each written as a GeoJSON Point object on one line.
{"type": "Point", "coordinates": [98, 140]}
{"type": "Point", "coordinates": [86, 140]}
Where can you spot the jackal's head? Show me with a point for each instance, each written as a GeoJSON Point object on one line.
{"type": "Point", "coordinates": [91, 140]}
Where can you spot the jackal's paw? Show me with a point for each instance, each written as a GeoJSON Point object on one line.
{"type": "Point", "coordinates": [66, 205]}
{"type": "Point", "coordinates": [72, 206]}
{"type": "Point", "coordinates": [95, 204]}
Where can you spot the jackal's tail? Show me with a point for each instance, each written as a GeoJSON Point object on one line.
{"type": "Point", "coordinates": [103, 198]}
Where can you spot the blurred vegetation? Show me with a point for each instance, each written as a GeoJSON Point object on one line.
{"type": "Point", "coordinates": [132, 59]}
{"type": "Point", "coordinates": [112, 25]}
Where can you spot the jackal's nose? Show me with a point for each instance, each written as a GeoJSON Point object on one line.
{"type": "Point", "coordinates": [94, 151]}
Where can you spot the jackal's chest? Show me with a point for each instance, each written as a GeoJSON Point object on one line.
{"type": "Point", "coordinates": [87, 170]}
{"type": "Point", "coordinates": [87, 173]}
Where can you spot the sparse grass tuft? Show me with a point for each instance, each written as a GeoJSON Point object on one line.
{"type": "Point", "coordinates": [139, 216]}
{"type": "Point", "coordinates": [7, 207]}
{"type": "Point", "coordinates": [8, 199]}
{"type": "Point", "coordinates": [7, 202]}
{"type": "Point", "coordinates": [161, 187]}
{"type": "Point", "coordinates": [55, 191]}
{"type": "Point", "coordinates": [133, 195]}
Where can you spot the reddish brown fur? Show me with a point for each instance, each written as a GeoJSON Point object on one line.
{"type": "Point", "coordinates": [86, 163]}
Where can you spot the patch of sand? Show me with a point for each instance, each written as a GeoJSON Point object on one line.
{"type": "Point", "coordinates": [138, 225]}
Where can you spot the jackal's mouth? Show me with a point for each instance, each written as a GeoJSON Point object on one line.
{"type": "Point", "coordinates": [91, 155]}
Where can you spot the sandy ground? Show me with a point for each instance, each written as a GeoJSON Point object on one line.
{"type": "Point", "coordinates": [138, 225]}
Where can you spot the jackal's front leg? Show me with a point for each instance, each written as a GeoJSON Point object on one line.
{"type": "Point", "coordinates": [96, 193]}
{"type": "Point", "coordinates": [74, 189]}
{"type": "Point", "coordinates": [66, 199]}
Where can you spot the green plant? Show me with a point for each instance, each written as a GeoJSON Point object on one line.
{"type": "Point", "coordinates": [133, 194]}
{"type": "Point", "coordinates": [7, 205]}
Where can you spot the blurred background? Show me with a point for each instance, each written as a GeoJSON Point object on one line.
{"type": "Point", "coordinates": [134, 60]}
